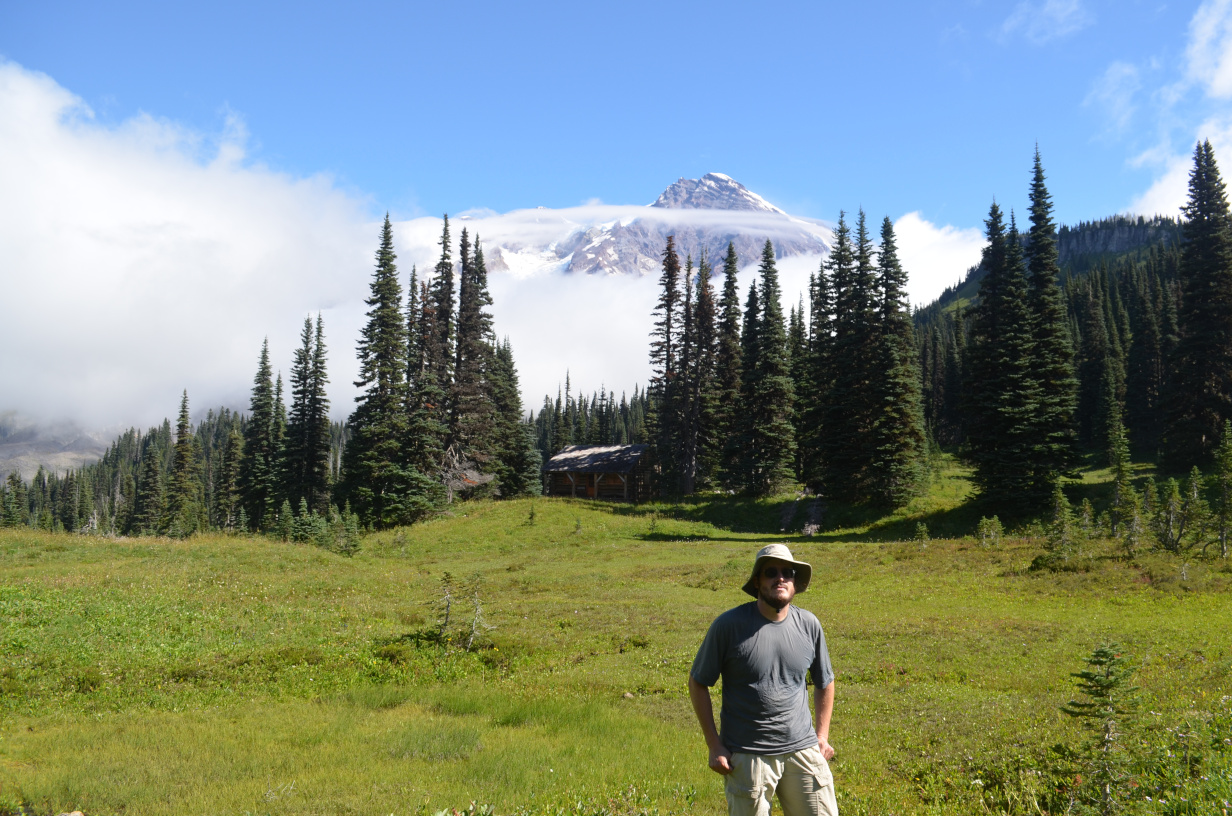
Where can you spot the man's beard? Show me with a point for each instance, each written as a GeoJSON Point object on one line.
{"type": "Point", "coordinates": [773, 602]}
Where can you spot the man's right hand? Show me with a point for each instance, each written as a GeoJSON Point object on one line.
{"type": "Point", "coordinates": [720, 761]}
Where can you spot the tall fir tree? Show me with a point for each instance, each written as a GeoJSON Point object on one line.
{"type": "Point", "coordinates": [768, 441]}
{"type": "Point", "coordinates": [517, 460]}
{"type": "Point", "coordinates": [308, 436]}
{"type": "Point", "coordinates": [1199, 395]}
{"type": "Point", "coordinates": [1054, 430]}
{"type": "Point", "coordinates": [473, 426]}
{"type": "Point", "coordinates": [704, 381]}
{"type": "Point", "coordinates": [426, 431]}
{"type": "Point", "coordinates": [381, 489]}
{"type": "Point", "coordinates": [182, 514]}
{"type": "Point", "coordinates": [259, 467]}
{"type": "Point", "coordinates": [148, 501]}
{"type": "Point", "coordinates": [811, 399]}
{"type": "Point", "coordinates": [897, 433]}
{"type": "Point", "coordinates": [848, 452]}
{"type": "Point", "coordinates": [439, 330]}
{"type": "Point", "coordinates": [1001, 392]}
{"type": "Point", "coordinates": [728, 367]}
{"type": "Point", "coordinates": [227, 483]}
{"type": "Point", "coordinates": [664, 354]}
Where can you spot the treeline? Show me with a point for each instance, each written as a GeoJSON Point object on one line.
{"type": "Point", "coordinates": [439, 415]}
{"type": "Point", "coordinates": [601, 420]}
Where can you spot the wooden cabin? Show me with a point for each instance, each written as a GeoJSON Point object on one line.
{"type": "Point", "coordinates": [620, 472]}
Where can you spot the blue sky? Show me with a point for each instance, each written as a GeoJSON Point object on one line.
{"type": "Point", "coordinates": [180, 181]}
{"type": "Point", "coordinates": [423, 108]}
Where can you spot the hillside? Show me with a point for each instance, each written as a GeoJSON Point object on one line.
{"type": "Point", "coordinates": [1080, 249]}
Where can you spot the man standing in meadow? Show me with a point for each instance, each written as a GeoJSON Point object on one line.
{"type": "Point", "coordinates": [767, 743]}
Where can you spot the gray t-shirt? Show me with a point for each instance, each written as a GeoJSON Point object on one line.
{"type": "Point", "coordinates": [763, 664]}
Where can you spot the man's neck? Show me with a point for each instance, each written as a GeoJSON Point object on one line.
{"type": "Point", "coordinates": [770, 613]}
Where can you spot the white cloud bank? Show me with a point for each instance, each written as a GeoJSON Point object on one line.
{"type": "Point", "coordinates": [142, 259]}
{"type": "Point", "coordinates": [934, 257]}
{"type": "Point", "coordinates": [130, 269]}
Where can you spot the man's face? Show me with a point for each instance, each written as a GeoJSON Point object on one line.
{"type": "Point", "coordinates": [773, 585]}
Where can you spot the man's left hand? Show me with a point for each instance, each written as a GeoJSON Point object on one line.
{"type": "Point", "coordinates": [827, 750]}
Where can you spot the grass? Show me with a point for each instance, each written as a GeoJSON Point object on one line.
{"type": "Point", "coordinates": [239, 675]}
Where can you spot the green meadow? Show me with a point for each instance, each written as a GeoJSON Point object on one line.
{"type": "Point", "coordinates": [236, 675]}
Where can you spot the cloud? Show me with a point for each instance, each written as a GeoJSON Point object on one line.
{"type": "Point", "coordinates": [1114, 94]}
{"type": "Point", "coordinates": [934, 257]}
{"type": "Point", "coordinates": [1209, 53]}
{"type": "Point", "coordinates": [1050, 20]}
{"type": "Point", "coordinates": [1207, 68]}
{"type": "Point", "coordinates": [142, 259]}
{"type": "Point", "coordinates": [1170, 189]}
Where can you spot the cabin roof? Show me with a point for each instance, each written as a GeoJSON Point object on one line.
{"type": "Point", "coordinates": [596, 459]}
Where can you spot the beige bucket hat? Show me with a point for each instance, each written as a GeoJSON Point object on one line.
{"type": "Point", "coordinates": [779, 552]}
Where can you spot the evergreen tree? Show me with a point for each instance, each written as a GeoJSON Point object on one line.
{"type": "Point", "coordinates": [258, 476]}
{"type": "Point", "coordinates": [183, 510]}
{"type": "Point", "coordinates": [1001, 390]}
{"type": "Point", "coordinates": [474, 417]}
{"type": "Point", "coordinates": [316, 472]}
{"type": "Point", "coordinates": [440, 326]}
{"type": "Point", "coordinates": [1053, 420]}
{"type": "Point", "coordinates": [16, 509]}
{"type": "Point", "coordinates": [517, 459]}
{"type": "Point", "coordinates": [728, 367]}
{"type": "Point", "coordinates": [817, 379]}
{"type": "Point", "coordinates": [768, 438]}
{"type": "Point", "coordinates": [424, 446]}
{"type": "Point", "coordinates": [227, 485]}
{"type": "Point", "coordinates": [308, 439]}
{"type": "Point", "coordinates": [1108, 708]}
{"type": "Point", "coordinates": [1199, 397]}
{"type": "Point", "coordinates": [851, 409]}
{"type": "Point", "coordinates": [379, 486]}
{"type": "Point", "coordinates": [704, 382]}
{"type": "Point", "coordinates": [664, 362]}
{"type": "Point", "coordinates": [797, 365]}
{"type": "Point", "coordinates": [148, 502]}
{"type": "Point", "coordinates": [897, 433]}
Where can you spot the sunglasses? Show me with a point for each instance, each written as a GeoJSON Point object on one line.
{"type": "Point", "coordinates": [772, 573]}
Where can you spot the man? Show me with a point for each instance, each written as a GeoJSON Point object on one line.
{"type": "Point", "coordinates": [767, 743]}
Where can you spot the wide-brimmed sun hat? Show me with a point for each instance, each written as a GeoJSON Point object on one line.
{"type": "Point", "coordinates": [778, 552]}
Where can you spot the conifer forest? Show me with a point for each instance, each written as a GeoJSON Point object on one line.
{"type": "Point", "coordinates": [1054, 353]}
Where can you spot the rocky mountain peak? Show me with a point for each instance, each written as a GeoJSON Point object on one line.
{"type": "Point", "coordinates": [713, 191]}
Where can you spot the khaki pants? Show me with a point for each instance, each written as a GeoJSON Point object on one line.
{"type": "Point", "coordinates": [801, 779]}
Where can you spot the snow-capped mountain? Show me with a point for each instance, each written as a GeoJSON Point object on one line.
{"type": "Point", "coordinates": [703, 214]}
{"type": "Point", "coordinates": [713, 191]}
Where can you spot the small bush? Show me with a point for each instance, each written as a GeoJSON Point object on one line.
{"type": "Point", "coordinates": [87, 680]}
{"type": "Point", "coordinates": [989, 531]}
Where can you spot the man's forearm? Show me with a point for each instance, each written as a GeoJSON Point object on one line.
{"type": "Point", "coordinates": [823, 703]}
{"type": "Point", "coordinates": [699, 696]}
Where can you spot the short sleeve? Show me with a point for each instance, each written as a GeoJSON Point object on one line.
{"type": "Point", "coordinates": [708, 664]}
{"type": "Point", "coordinates": [820, 671]}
